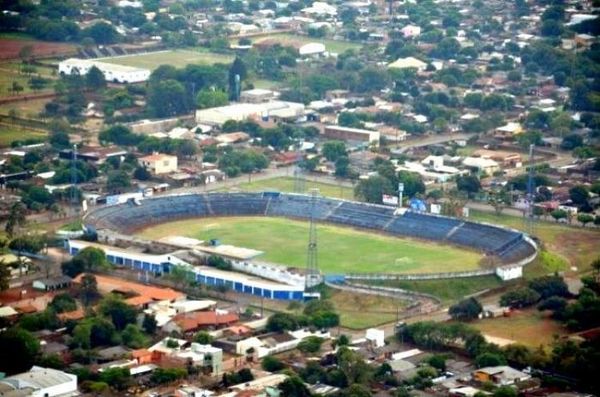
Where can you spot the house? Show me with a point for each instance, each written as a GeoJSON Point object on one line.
{"type": "Point", "coordinates": [408, 63]}
{"type": "Point", "coordinates": [351, 134]}
{"type": "Point", "coordinates": [39, 382]}
{"type": "Point", "coordinates": [159, 163]}
{"type": "Point", "coordinates": [509, 130]}
{"type": "Point", "coordinates": [112, 72]}
{"type": "Point", "coordinates": [410, 31]}
{"type": "Point", "coordinates": [93, 154]}
{"type": "Point", "coordinates": [257, 95]}
{"type": "Point", "coordinates": [320, 8]}
{"type": "Point", "coordinates": [53, 283]}
{"type": "Point", "coordinates": [486, 166]}
{"type": "Point", "coordinates": [507, 159]}
{"type": "Point", "coordinates": [502, 375]}
{"type": "Point", "coordinates": [194, 321]}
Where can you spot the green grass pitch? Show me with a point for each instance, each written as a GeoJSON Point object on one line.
{"type": "Point", "coordinates": [177, 58]}
{"type": "Point", "coordinates": [340, 249]}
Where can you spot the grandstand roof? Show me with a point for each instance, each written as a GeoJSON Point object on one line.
{"type": "Point", "coordinates": [231, 251]}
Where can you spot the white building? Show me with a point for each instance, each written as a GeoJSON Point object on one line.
{"type": "Point", "coordinates": [408, 63]}
{"type": "Point", "coordinates": [112, 72]}
{"type": "Point", "coordinates": [159, 163]}
{"type": "Point", "coordinates": [506, 273]}
{"type": "Point", "coordinates": [312, 49]}
{"type": "Point", "coordinates": [243, 111]}
{"type": "Point", "coordinates": [40, 382]}
{"type": "Point", "coordinates": [482, 165]}
{"type": "Point", "coordinates": [411, 31]}
{"type": "Point", "coordinates": [320, 8]}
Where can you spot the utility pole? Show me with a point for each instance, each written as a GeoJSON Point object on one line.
{"type": "Point", "coordinates": [312, 270]}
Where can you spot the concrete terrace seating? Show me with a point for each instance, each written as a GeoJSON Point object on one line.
{"type": "Point", "coordinates": [296, 206]}
{"type": "Point", "coordinates": [510, 246]}
{"type": "Point", "coordinates": [237, 204]}
{"type": "Point", "coordinates": [483, 237]}
{"type": "Point", "coordinates": [361, 215]}
{"type": "Point", "coordinates": [423, 226]}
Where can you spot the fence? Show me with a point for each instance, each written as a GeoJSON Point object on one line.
{"type": "Point", "coordinates": [424, 276]}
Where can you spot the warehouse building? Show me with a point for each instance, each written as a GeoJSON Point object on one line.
{"type": "Point", "coordinates": [112, 72]}
{"type": "Point", "coordinates": [351, 134]}
{"type": "Point", "coordinates": [161, 264]}
{"type": "Point", "coordinates": [40, 382]}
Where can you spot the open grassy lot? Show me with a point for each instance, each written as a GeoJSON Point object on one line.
{"type": "Point", "coordinates": [289, 39]}
{"type": "Point", "coordinates": [566, 245]}
{"type": "Point", "coordinates": [29, 108]}
{"type": "Point", "coordinates": [529, 327]}
{"type": "Point", "coordinates": [286, 184]}
{"type": "Point", "coordinates": [341, 250]}
{"type": "Point", "coordinates": [11, 134]}
{"type": "Point", "coordinates": [177, 58]}
{"type": "Point", "coordinates": [10, 72]}
{"type": "Point", "coordinates": [357, 311]}
{"type": "Point", "coordinates": [449, 291]}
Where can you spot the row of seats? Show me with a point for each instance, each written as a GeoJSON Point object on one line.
{"type": "Point", "coordinates": [507, 244]}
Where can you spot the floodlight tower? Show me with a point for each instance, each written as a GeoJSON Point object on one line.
{"type": "Point", "coordinates": [298, 174]}
{"type": "Point", "coordinates": [529, 216]}
{"type": "Point", "coordinates": [312, 270]}
{"type": "Point", "coordinates": [74, 201]}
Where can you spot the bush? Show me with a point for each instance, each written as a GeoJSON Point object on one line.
{"type": "Point", "coordinates": [272, 364]}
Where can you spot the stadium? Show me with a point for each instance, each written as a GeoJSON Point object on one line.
{"type": "Point", "coordinates": [510, 249]}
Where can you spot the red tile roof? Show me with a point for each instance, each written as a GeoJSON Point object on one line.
{"type": "Point", "coordinates": [192, 321]}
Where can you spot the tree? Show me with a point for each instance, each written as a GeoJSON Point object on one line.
{"type": "Point", "coordinates": [94, 79]}
{"type": "Point", "coordinates": [63, 303]}
{"type": "Point", "coordinates": [89, 289]}
{"type": "Point", "coordinates": [332, 150]}
{"type": "Point", "coordinates": [505, 391]}
{"type": "Point", "coordinates": [437, 361]}
{"type": "Point", "coordinates": [558, 214]}
{"type": "Point", "coordinates": [468, 183]}
{"type": "Point", "coordinates": [5, 276]}
{"type": "Point", "coordinates": [571, 141]}
{"type": "Point", "coordinates": [294, 387]}
{"type": "Point", "coordinates": [489, 359]}
{"type": "Point", "coordinates": [203, 337]}
{"type": "Point", "coordinates": [166, 98]}
{"type": "Point", "coordinates": [118, 180]}
{"type": "Point", "coordinates": [585, 218]}
{"type": "Point", "coordinates": [16, 218]}
{"type": "Point", "coordinates": [102, 33]}
{"type": "Point", "coordinates": [120, 312]}
{"type": "Point", "coordinates": [413, 183]}
{"type": "Point", "coordinates": [548, 286]}
{"type": "Point", "coordinates": [118, 378]}
{"type": "Point", "coordinates": [279, 322]}
{"type": "Point", "coordinates": [142, 174]}
{"type": "Point", "coordinates": [342, 167]}
{"type": "Point", "coordinates": [133, 337]}
{"type": "Point", "coordinates": [211, 98]}
{"type": "Point", "coordinates": [237, 74]}
{"type": "Point", "coordinates": [465, 310]}
{"type": "Point", "coordinates": [88, 259]}
{"type": "Point", "coordinates": [26, 53]}
{"type": "Point", "coordinates": [579, 195]}
{"type": "Point", "coordinates": [149, 324]}
{"type": "Point", "coordinates": [22, 348]}
{"type": "Point", "coordinates": [371, 190]}
{"type": "Point", "coordinates": [272, 364]}
{"type": "Point", "coordinates": [167, 375]}
{"type": "Point", "coordinates": [518, 298]}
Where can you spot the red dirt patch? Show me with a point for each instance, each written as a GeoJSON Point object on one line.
{"type": "Point", "coordinates": [9, 48]}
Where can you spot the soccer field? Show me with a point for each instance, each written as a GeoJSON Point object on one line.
{"type": "Point", "coordinates": [340, 249]}
{"type": "Point", "coordinates": [177, 58]}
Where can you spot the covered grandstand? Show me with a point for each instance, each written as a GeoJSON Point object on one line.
{"type": "Point", "coordinates": [509, 246]}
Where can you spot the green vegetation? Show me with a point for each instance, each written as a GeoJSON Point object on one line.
{"type": "Point", "coordinates": [176, 58]}
{"type": "Point", "coordinates": [286, 184]}
{"type": "Point", "coordinates": [287, 39]}
{"type": "Point", "coordinates": [449, 290]}
{"type": "Point", "coordinates": [530, 327]}
{"type": "Point", "coordinates": [564, 245]}
{"type": "Point", "coordinates": [369, 253]}
{"type": "Point", "coordinates": [8, 135]}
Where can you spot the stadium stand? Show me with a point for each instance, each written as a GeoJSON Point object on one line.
{"type": "Point", "coordinates": [508, 245]}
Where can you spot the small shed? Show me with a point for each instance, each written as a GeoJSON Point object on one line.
{"type": "Point", "coordinates": [52, 283]}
